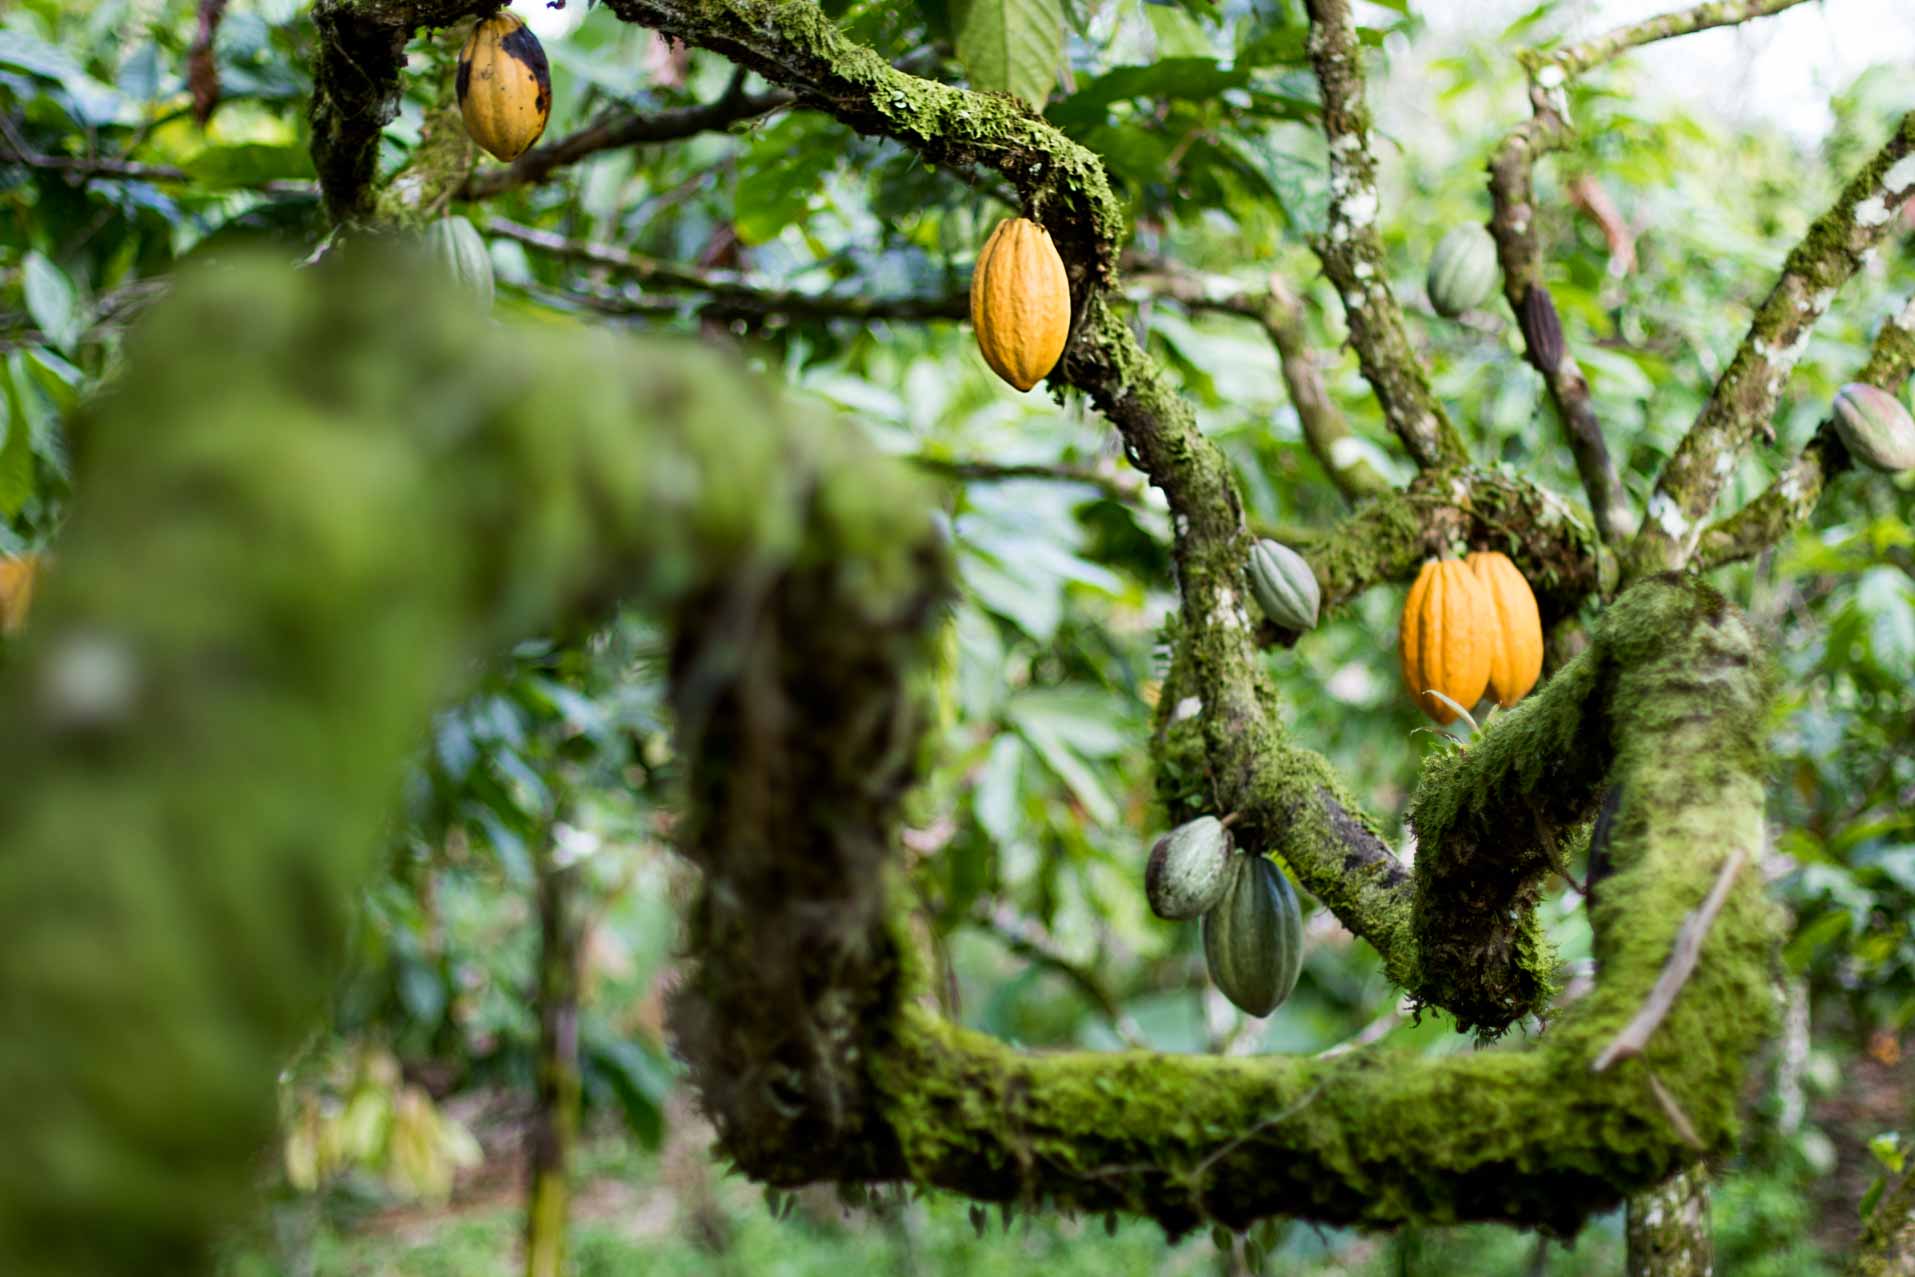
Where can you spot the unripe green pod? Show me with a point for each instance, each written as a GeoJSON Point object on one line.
{"type": "Point", "coordinates": [1463, 271]}
{"type": "Point", "coordinates": [1875, 427]}
{"type": "Point", "coordinates": [1188, 869]}
{"type": "Point", "coordinates": [1253, 938]}
{"type": "Point", "coordinates": [1284, 586]}
{"type": "Point", "coordinates": [457, 246]}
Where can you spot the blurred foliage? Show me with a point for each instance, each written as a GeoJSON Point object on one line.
{"type": "Point", "coordinates": [1035, 816]}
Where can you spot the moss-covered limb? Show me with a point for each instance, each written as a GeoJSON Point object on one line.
{"type": "Point", "coordinates": [1352, 251]}
{"type": "Point", "coordinates": [1527, 1135]}
{"type": "Point", "coordinates": [1576, 58]}
{"type": "Point", "coordinates": [303, 523]}
{"type": "Point", "coordinates": [1787, 503]}
{"type": "Point", "coordinates": [1887, 1248]}
{"type": "Point", "coordinates": [1388, 538]}
{"type": "Point", "coordinates": [442, 161]}
{"type": "Point", "coordinates": [619, 129]}
{"type": "Point", "coordinates": [1744, 397]}
{"type": "Point", "coordinates": [1278, 311]}
{"type": "Point", "coordinates": [1518, 246]}
{"type": "Point", "coordinates": [794, 44]}
{"type": "Point", "coordinates": [729, 293]}
{"type": "Point", "coordinates": [1668, 1228]}
{"type": "Point", "coordinates": [361, 52]}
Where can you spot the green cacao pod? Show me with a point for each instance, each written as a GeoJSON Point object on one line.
{"type": "Point", "coordinates": [1253, 936]}
{"type": "Point", "coordinates": [458, 248]}
{"type": "Point", "coordinates": [1188, 870]}
{"type": "Point", "coordinates": [1284, 586]}
{"type": "Point", "coordinates": [1463, 271]}
{"type": "Point", "coordinates": [1875, 427]}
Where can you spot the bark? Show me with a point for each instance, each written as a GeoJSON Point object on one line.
{"type": "Point", "coordinates": [1668, 1228]}
{"type": "Point", "coordinates": [555, 1121]}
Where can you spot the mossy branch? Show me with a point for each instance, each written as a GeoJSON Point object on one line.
{"type": "Point", "coordinates": [312, 505]}
{"type": "Point", "coordinates": [1787, 502]}
{"type": "Point", "coordinates": [1745, 395]}
{"type": "Point", "coordinates": [1352, 251]}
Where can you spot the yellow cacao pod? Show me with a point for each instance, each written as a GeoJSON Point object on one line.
{"type": "Point", "coordinates": [1446, 638]}
{"type": "Point", "coordinates": [505, 87]}
{"type": "Point", "coordinates": [17, 576]}
{"type": "Point", "coordinates": [1020, 302]}
{"type": "Point", "coordinates": [1516, 627]}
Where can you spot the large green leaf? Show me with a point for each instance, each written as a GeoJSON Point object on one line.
{"type": "Point", "coordinates": [1011, 46]}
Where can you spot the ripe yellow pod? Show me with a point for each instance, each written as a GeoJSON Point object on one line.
{"type": "Point", "coordinates": [1446, 638]}
{"type": "Point", "coordinates": [16, 590]}
{"type": "Point", "coordinates": [1020, 302]}
{"type": "Point", "coordinates": [1516, 656]}
{"type": "Point", "coordinates": [505, 86]}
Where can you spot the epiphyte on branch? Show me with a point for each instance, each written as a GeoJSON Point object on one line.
{"type": "Point", "coordinates": [1284, 586]}
{"type": "Point", "coordinates": [1188, 869]}
{"type": "Point", "coordinates": [1446, 642]}
{"type": "Point", "coordinates": [1020, 302]}
{"type": "Point", "coordinates": [1515, 626]}
{"type": "Point", "coordinates": [505, 86]}
{"type": "Point", "coordinates": [1463, 271]}
{"type": "Point", "coordinates": [1875, 427]}
{"type": "Point", "coordinates": [1253, 937]}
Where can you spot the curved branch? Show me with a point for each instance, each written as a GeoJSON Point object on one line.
{"type": "Point", "coordinates": [1577, 58]}
{"type": "Point", "coordinates": [1388, 538]}
{"type": "Point", "coordinates": [1788, 501]}
{"type": "Point", "coordinates": [619, 129]}
{"type": "Point", "coordinates": [1745, 396]}
{"type": "Point", "coordinates": [1352, 251]}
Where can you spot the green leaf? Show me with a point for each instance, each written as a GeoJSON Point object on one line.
{"type": "Point", "coordinates": [53, 302]}
{"type": "Point", "coordinates": [781, 175]}
{"type": "Point", "coordinates": [16, 455]}
{"type": "Point", "coordinates": [1011, 46]}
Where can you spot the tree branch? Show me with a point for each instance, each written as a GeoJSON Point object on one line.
{"type": "Point", "coordinates": [1788, 501]}
{"type": "Point", "coordinates": [1280, 314]}
{"type": "Point", "coordinates": [1352, 251]}
{"type": "Point", "coordinates": [623, 128]}
{"type": "Point", "coordinates": [1577, 58]}
{"type": "Point", "coordinates": [729, 294]}
{"type": "Point", "coordinates": [1117, 486]}
{"type": "Point", "coordinates": [1512, 192]}
{"type": "Point", "coordinates": [1745, 396]}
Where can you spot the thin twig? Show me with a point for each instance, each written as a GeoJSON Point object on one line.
{"type": "Point", "coordinates": [1127, 487]}
{"type": "Point", "coordinates": [1576, 58]}
{"type": "Point", "coordinates": [1676, 972]}
{"type": "Point", "coordinates": [729, 293]}
{"type": "Point", "coordinates": [1673, 1111]}
{"type": "Point", "coordinates": [624, 128]}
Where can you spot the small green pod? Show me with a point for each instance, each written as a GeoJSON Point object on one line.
{"type": "Point", "coordinates": [1188, 869]}
{"type": "Point", "coordinates": [1463, 271]}
{"type": "Point", "coordinates": [1253, 938]}
{"type": "Point", "coordinates": [1284, 586]}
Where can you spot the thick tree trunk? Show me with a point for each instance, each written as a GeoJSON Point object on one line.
{"type": "Point", "coordinates": [1668, 1227]}
{"type": "Point", "coordinates": [555, 1124]}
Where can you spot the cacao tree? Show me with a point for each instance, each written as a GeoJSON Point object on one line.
{"type": "Point", "coordinates": [312, 502]}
